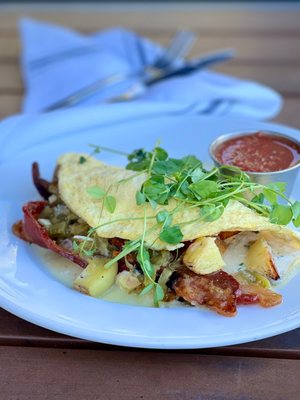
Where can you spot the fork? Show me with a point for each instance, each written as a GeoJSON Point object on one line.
{"type": "Point", "coordinates": [185, 36]}
{"type": "Point", "coordinates": [178, 47]}
{"type": "Point", "coordinates": [203, 62]}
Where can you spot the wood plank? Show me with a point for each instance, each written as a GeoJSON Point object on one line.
{"type": "Point", "coordinates": [280, 77]}
{"type": "Point", "coordinates": [283, 50]}
{"type": "Point", "coordinates": [9, 104]}
{"type": "Point", "coordinates": [17, 332]}
{"type": "Point", "coordinates": [92, 371]}
{"type": "Point", "coordinates": [10, 78]}
{"type": "Point", "coordinates": [160, 18]}
{"type": "Point", "coordinates": [91, 375]}
{"type": "Point", "coordinates": [290, 112]}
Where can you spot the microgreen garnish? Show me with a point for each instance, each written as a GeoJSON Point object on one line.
{"type": "Point", "coordinates": [75, 246]}
{"type": "Point", "coordinates": [158, 294]}
{"type": "Point", "coordinates": [140, 198]}
{"type": "Point", "coordinates": [296, 213]}
{"type": "Point", "coordinates": [211, 212]}
{"type": "Point", "coordinates": [203, 188]}
{"type": "Point", "coordinates": [85, 247]}
{"type": "Point", "coordinates": [82, 160]}
{"type": "Point", "coordinates": [164, 217]}
{"type": "Point", "coordinates": [281, 214]}
{"type": "Point", "coordinates": [96, 192]}
{"type": "Point", "coordinates": [191, 185]}
{"type": "Point", "coordinates": [187, 181]}
{"type": "Point", "coordinates": [98, 149]}
{"type": "Point", "coordinates": [171, 234]}
{"type": "Point", "coordinates": [143, 258]}
{"type": "Point", "coordinates": [147, 289]}
{"type": "Point", "coordinates": [109, 202]}
{"type": "Point", "coordinates": [128, 248]}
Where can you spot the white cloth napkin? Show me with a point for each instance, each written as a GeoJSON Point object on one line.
{"type": "Point", "coordinates": [50, 77]}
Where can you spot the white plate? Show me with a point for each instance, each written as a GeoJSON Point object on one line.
{"type": "Point", "coordinates": [28, 291]}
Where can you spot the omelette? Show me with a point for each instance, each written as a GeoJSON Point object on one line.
{"type": "Point", "coordinates": [92, 214]}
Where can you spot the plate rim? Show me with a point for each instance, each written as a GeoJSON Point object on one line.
{"type": "Point", "coordinates": [129, 342]}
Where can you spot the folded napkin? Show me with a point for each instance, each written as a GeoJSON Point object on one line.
{"type": "Point", "coordinates": [56, 62]}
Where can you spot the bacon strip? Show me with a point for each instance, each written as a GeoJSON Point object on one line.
{"type": "Point", "coordinates": [32, 231]}
{"type": "Point", "coordinates": [218, 291]}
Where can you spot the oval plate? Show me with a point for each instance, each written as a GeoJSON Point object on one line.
{"type": "Point", "coordinates": [28, 291]}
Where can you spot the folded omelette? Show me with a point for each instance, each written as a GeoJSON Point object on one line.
{"type": "Point", "coordinates": [74, 179]}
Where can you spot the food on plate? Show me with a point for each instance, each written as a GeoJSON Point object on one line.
{"type": "Point", "coordinates": [203, 256]}
{"type": "Point", "coordinates": [166, 227]}
{"type": "Point", "coordinates": [95, 279]}
{"type": "Point", "coordinates": [259, 259]}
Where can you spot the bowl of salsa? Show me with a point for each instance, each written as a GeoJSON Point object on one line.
{"type": "Point", "coordinates": [265, 156]}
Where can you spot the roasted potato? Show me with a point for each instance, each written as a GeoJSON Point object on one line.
{"type": "Point", "coordinates": [259, 259]}
{"type": "Point", "coordinates": [203, 256]}
{"type": "Point", "coordinates": [94, 280]}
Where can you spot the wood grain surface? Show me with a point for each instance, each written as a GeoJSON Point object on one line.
{"type": "Point", "coordinates": [39, 364]}
{"type": "Point", "coordinates": [17, 332]}
{"type": "Point", "coordinates": [267, 43]}
{"type": "Point", "coordinates": [111, 375]}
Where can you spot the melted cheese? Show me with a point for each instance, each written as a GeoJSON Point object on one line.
{"type": "Point", "coordinates": [287, 263]}
{"type": "Point", "coordinates": [65, 272]}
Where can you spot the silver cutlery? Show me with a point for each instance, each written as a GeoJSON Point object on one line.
{"type": "Point", "coordinates": [136, 90]}
{"type": "Point", "coordinates": [183, 41]}
{"type": "Point", "coordinates": [195, 65]}
{"type": "Point", "coordinates": [177, 49]}
{"type": "Point", "coordinates": [179, 46]}
{"type": "Point", "coordinates": [206, 60]}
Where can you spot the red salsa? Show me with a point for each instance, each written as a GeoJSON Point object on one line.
{"type": "Point", "coordinates": [259, 152]}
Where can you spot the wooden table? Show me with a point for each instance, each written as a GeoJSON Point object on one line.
{"type": "Point", "coordinates": [39, 364]}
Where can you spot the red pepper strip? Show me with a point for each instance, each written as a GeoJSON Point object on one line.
{"type": "Point", "coordinates": [251, 294]}
{"type": "Point", "coordinates": [18, 230]}
{"type": "Point", "coordinates": [32, 231]}
{"type": "Point", "coordinates": [40, 184]}
{"type": "Point", "coordinates": [246, 298]}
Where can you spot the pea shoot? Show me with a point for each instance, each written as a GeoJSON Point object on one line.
{"type": "Point", "coordinates": [186, 180]}
{"type": "Point", "coordinates": [191, 185]}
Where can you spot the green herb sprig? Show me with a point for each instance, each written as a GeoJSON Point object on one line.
{"type": "Point", "coordinates": [97, 150]}
{"type": "Point", "coordinates": [186, 180]}
{"type": "Point", "coordinates": [143, 258]}
{"type": "Point", "coordinates": [109, 202]}
{"type": "Point", "coordinates": [191, 185]}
